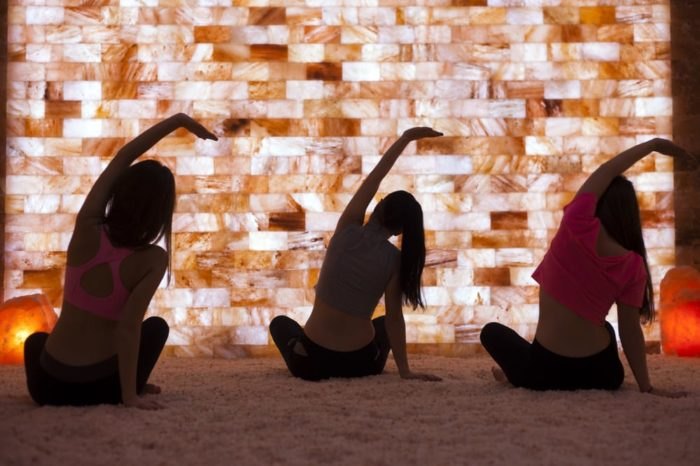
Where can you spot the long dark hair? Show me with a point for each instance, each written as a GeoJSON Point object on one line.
{"type": "Point", "coordinates": [618, 211]}
{"type": "Point", "coordinates": [400, 213]}
{"type": "Point", "coordinates": [140, 207]}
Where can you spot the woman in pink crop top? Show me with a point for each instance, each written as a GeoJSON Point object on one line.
{"type": "Point", "coordinates": [101, 350]}
{"type": "Point", "coordinates": [596, 259]}
{"type": "Point", "coordinates": [340, 338]}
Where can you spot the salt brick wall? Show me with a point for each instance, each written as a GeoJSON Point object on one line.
{"type": "Point", "coordinates": [306, 95]}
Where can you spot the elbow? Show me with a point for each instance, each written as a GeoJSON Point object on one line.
{"type": "Point", "coordinates": [395, 318]}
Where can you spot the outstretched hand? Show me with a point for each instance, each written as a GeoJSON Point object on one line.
{"type": "Point", "coordinates": [666, 147]}
{"type": "Point", "coordinates": [196, 128]}
{"type": "Point", "coordinates": [421, 376]}
{"type": "Point", "coordinates": [666, 393]}
{"type": "Point", "coordinates": [140, 402]}
{"type": "Point", "coordinates": [420, 132]}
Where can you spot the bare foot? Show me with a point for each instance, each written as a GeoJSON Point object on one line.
{"type": "Point", "coordinates": [151, 389]}
{"type": "Point", "coordinates": [499, 375]}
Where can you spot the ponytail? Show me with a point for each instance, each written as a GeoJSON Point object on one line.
{"type": "Point", "coordinates": [403, 214]}
{"type": "Point", "coordinates": [618, 211]}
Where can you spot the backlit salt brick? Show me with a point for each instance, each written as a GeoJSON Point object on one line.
{"type": "Point", "coordinates": [487, 15]}
{"type": "Point", "coordinates": [647, 32]}
{"type": "Point", "coordinates": [654, 106]}
{"type": "Point", "coordinates": [679, 312]}
{"type": "Point", "coordinates": [470, 295]}
{"type": "Point", "coordinates": [562, 89]}
{"type": "Point", "coordinates": [19, 318]}
{"type": "Point", "coordinates": [601, 51]}
{"type": "Point", "coordinates": [398, 71]}
{"type": "Point", "coordinates": [560, 127]}
{"type": "Point", "coordinates": [561, 15]}
{"type": "Point", "coordinates": [524, 16]}
{"type": "Point", "coordinates": [597, 15]}
{"type": "Point", "coordinates": [528, 52]}
{"type": "Point", "coordinates": [361, 71]}
{"type": "Point", "coordinates": [44, 15]}
{"type": "Point", "coordinates": [654, 182]}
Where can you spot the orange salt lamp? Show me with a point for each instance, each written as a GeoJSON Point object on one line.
{"type": "Point", "coordinates": [680, 312]}
{"type": "Point", "coordinates": [19, 318]}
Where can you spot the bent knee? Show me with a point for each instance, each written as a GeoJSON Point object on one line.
{"type": "Point", "coordinates": [488, 331]}
{"type": "Point", "coordinates": [157, 323]}
{"type": "Point", "coordinates": [34, 344]}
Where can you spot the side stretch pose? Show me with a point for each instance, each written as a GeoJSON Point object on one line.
{"type": "Point", "coordinates": [340, 338]}
{"type": "Point", "coordinates": [100, 350]}
{"type": "Point", "coordinates": [596, 258]}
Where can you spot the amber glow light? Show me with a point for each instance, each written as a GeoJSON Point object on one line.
{"type": "Point", "coordinates": [19, 318]}
{"type": "Point", "coordinates": [680, 312]}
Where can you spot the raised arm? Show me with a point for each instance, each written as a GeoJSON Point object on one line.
{"type": "Point", "coordinates": [356, 208]}
{"type": "Point", "coordinates": [600, 179]}
{"type": "Point", "coordinates": [396, 331]}
{"type": "Point", "coordinates": [93, 208]}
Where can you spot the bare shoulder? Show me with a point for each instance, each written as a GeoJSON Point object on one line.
{"type": "Point", "coordinates": [606, 246]}
{"type": "Point", "coordinates": [84, 243]}
{"type": "Point", "coordinates": [152, 256]}
{"type": "Point", "coordinates": [151, 259]}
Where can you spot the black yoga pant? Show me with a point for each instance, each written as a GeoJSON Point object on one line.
{"type": "Point", "coordinates": [88, 385]}
{"type": "Point", "coordinates": [535, 367]}
{"type": "Point", "coordinates": [322, 363]}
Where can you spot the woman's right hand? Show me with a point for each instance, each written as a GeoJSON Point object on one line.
{"type": "Point", "coordinates": [666, 393]}
{"type": "Point", "coordinates": [420, 376]}
{"type": "Point", "coordinates": [140, 402]}
{"type": "Point", "coordinates": [194, 127]}
{"type": "Point", "coordinates": [420, 132]}
{"type": "Point", "coordinates": [666, 147]}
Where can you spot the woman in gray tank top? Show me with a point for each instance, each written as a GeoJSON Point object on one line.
{"type": "Point", "coordinates": [340, 339]}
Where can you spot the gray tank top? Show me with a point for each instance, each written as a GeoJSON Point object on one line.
{"type": "Point", "coordinates": [357, 268]}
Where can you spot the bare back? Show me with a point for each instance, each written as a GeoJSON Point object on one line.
{"type": "Point", "coordinates": [564, 332]}
{"type": "Point", "coordinates": [80, 337]}
{"type": "Point", "coordinates": [337, 330]}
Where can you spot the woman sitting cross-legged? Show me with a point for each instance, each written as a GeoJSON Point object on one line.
{"type": "Point", "coordinates": [596, 258]}
{"type": "Point", "coordinates": [340, 338]}
{"type": "Point", "coordinates": [100, 350]}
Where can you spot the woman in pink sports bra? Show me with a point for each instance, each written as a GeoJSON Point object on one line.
{"type": "Point", "coordinates": [596, 259]}
{"type": "Point", "coordinates": [101, 350]}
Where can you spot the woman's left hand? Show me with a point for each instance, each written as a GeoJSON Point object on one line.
{"type": "Point", "coordinates": [196, 128]}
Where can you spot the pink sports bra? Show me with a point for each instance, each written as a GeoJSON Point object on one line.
{"type": "Point", "coordinates": [109, 307]}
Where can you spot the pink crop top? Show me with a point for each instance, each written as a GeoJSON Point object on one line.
{"type": "Point", "coordinates": [110, 306]}
{"type": "Point", "coordinates": [576, 276]}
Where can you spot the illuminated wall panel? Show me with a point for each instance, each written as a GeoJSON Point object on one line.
{"type": "Point", "coordinates": [306, 95]}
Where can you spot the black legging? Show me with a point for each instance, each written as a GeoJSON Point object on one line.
{"type": "Point", "coordinates": [48, 389]}
{"type": "Point", "coordinates": [535, 367]}
{"type": "Point", "coordinates": [322, 363]}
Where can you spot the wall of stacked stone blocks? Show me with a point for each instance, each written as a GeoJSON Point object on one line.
{"type": "Point", "coordinates": [305, 96]}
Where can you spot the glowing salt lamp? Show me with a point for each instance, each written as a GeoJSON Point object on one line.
{"type": "Point", "coordinates": [19, 318]}
{"type": "Point", "coordinates": [680, 312]}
